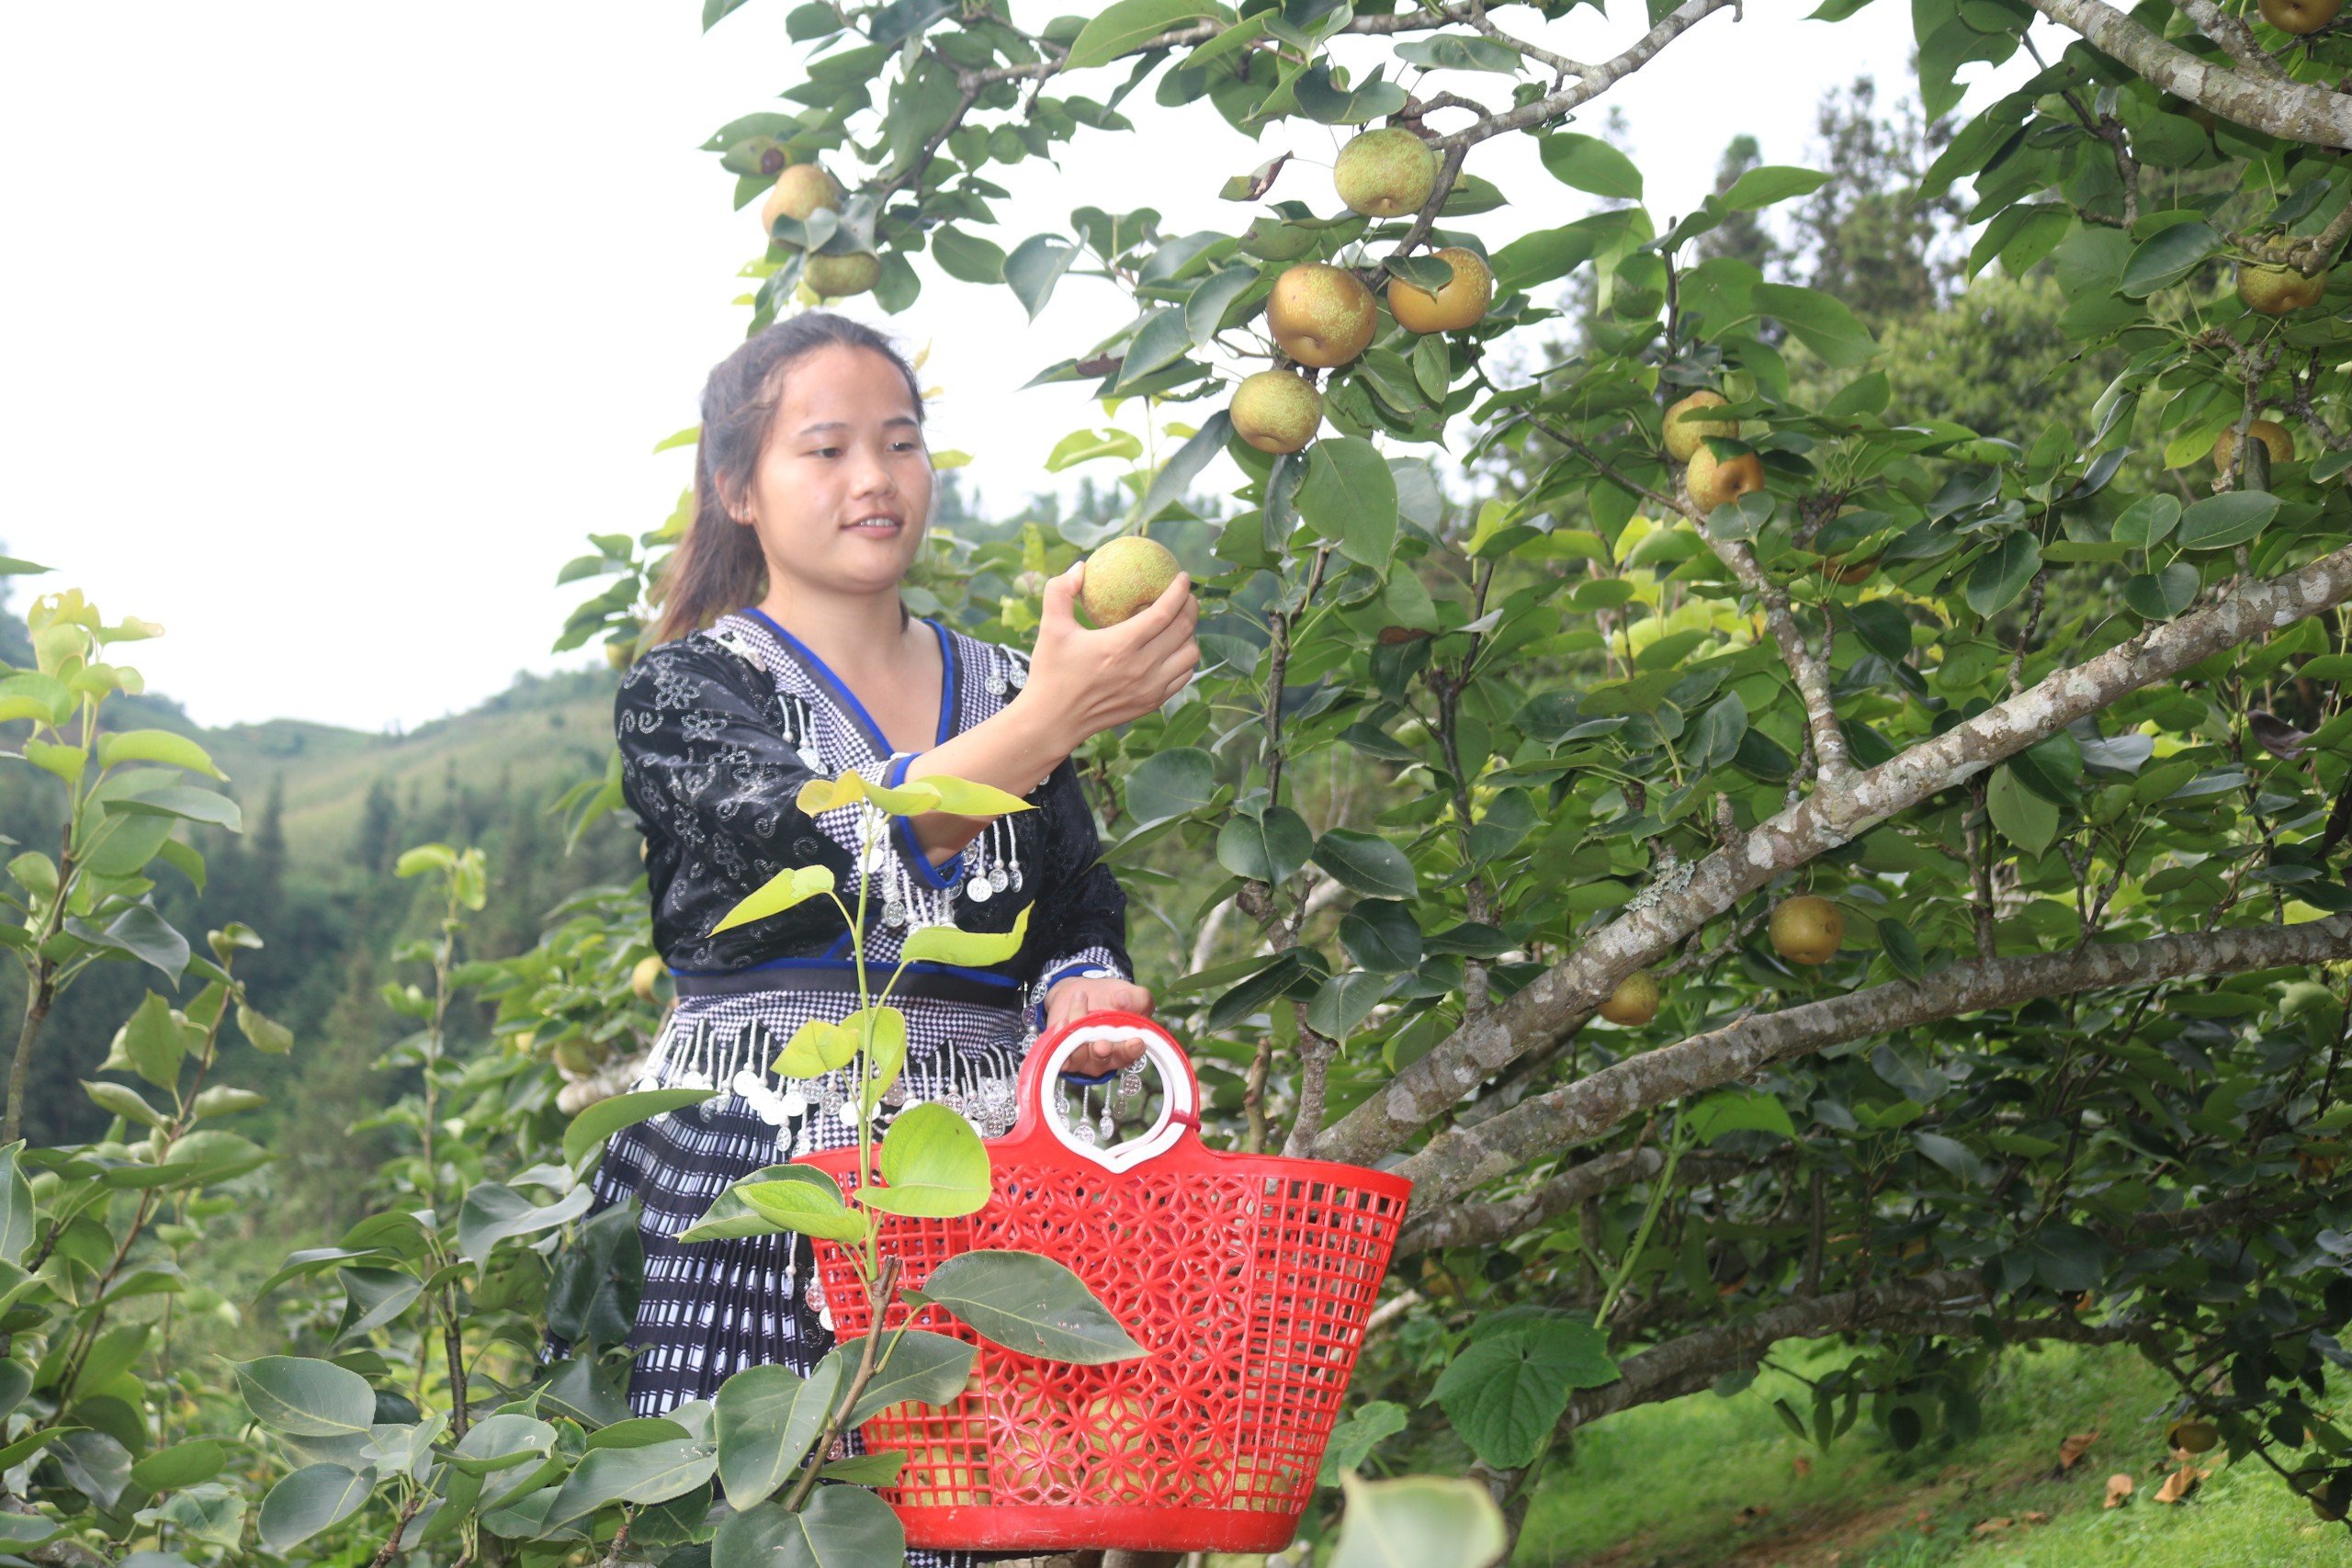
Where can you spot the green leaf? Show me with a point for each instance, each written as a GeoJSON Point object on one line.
{"type": "Point", "coordinates": [1821, 323]}
{"type": "Point", "coordinates": [1270, 848]}
{"type": "Point", "coordinates": [934, 1164]}
{"type": "Point", "coordinates": [374, 1297]}
{"type": "Point", "coordinates": [155, 746]}
{"type": "Point", "coordinates": [494, 1212]}
{"type": "Point", "coordinates": [1349, 496]}
{"type": "Point", "coordinates": [263, 1034]}
{"type": "Point", "coordinates": [2023, 818]}
{"type": "Point", "coordinates": [653, 1473]}
{"type": "Point", "coordinates": [140, 932]}
{"type": "Point", "coordinates": [886, 1049]}
{"type": "Point", "coordinates": [1170, 782]}
{"type": "Point", "coordinates": [1355, 1438]}
{"type": "Point", "coordinates": [150, 1041]}
{"type": "Point", "coordinates": [794, 885]}
{"type": "Point", "coordinates": [1176, 475]}
{"type": "Point", "coordinates": [967, 258]}
{"type": "Point", "coordinates": [730, 1217]}
{"type": "Point", "coordinates": [2167, 256]}
{"type": "Point", "coordinates": [121, 1099]}
{"type": "Point", "coordinates": [1381, 935]}
{"type": "Point", "coordinates": [2066, 1257]}
{"type": "Point", "coordinates": [1342, 1002]}
{"type": "Point", "coordinates": [182, 1464]}
{"type": "Point", "coordinates": [2146, 521]}
{"type": "Point", "coordinates": [1035, 266]}
{"type": "Point", "coordinates": [842, 1527]}
{"type": "Point", "coordinates": [1031, 1304]}
{"type": "Point", "coordinates": [1505, 1393]}
{"type": "Point", "coordinates": [183, 801]}
{"type": "Point", "coordinates": [817, 1047]}
{"type": "Point", "coordinates": [306, 1398]}
{"type": "Point", "coordinates": [947, 944]}
{"type": "Point", "coordinates": [2221, 521]}
{"type": "Point", "coordinates": [795, 1203]}
{"type": "Point", "coordinates": [1770, 183]}
{"type": "Point", "coordinates": [919, 1367]}
{"type": "Point", "coordinates": [2161, 595]}
{"type": "Point", "coordinates": [1160, 342]}
{"type": "Point", "coordinates": [766, 1419]}
{"type": "Point", "coordinates": [17, 1224]}
{"type": "Point", "coordinates": [1422, 1521]}
{"type": "Point", "coordinates": [1367, 862]}
{"type": "Point", "coordinates": [1588, 164]}
{"type": "Point", "coordinates": [1732, 1110]}
{"type": "Point", "coordinates": [967, 797]}
{"type": "Point", "coordinates": [312, 1498]}
{"type": "Point", "coordinates": [2002, 573]}
{"type": "Point", "coordinates": [601, 1121]}
{"type": "Point", "coordinates": [1127, 26]}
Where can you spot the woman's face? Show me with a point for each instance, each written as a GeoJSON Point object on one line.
{"type": "Point", "coordinates": [844, 447]}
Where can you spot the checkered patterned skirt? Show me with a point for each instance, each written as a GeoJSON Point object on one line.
{"type": "Point", "coordinates": [710, 1309]}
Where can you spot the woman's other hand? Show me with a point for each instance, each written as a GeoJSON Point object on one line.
{"type": "Point", "coordinates": [1073, 998]}
{"type": "Point", "coordinates": [1089, 681]}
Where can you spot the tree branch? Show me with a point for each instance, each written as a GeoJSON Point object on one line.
{"type": "Point", "coordinates": [1832, 815]}
{"type": "Point", "coordinates": [1932, 1303]}
{"type": "Point", "coordinates": [2297, 111]}
{"type": "Point", "coordinates": [1480, 1224]}
{"type": "Point", "coordinates": [1811, 675]}
{"type": "Point", "coordinates": [1456, 1160]}
{"type": "Point", "coordinates": [2235, 36]}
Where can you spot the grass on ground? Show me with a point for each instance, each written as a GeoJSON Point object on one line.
{"type": "Point", "coordinates": [1708, 1481]}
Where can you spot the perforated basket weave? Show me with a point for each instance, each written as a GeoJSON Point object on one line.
{"type": "Point", "coordinates": [1248, 1279]}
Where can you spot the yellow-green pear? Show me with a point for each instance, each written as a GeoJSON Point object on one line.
{"type": "Point", "coordinates": [1384, 173]}
{"type": "Point", "coordinates": [800, 190]}
{"type": "Point", "coordinates": [832, 276]}
{"type": "Point", "coordinates": [1321, 315]}
{"type": "Point", "coordinates": [1276, 410]}
{"type": "Point", "coordinates": [1683, 433]}
{"type": "Point", "coordinates": [1124, 576]}
{"type": "Point", "coordinates": [1462, 302]}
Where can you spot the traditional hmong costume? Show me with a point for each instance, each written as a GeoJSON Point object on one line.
{"type": "Point", "coordinates": [719, 730]}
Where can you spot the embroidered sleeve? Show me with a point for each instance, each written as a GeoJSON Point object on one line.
{"type": "Point", "coordinates": [709, 767]}
{"type": "Point", "coordinates": [1080, 918]}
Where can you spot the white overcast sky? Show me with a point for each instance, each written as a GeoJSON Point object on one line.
{"type": "Point", "coordinates": [333, 327]}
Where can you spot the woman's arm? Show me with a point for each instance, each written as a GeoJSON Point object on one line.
{"type": "Point", "coordinates": [1080, 682]}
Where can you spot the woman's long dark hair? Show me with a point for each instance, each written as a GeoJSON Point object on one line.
{"type": "Point", "coordinates": [717, 566]}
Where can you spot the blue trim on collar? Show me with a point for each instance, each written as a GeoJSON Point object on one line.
{"type": "Point", "coordinates": [938, 876]}
{"type": "Point", "coordinates": [808, 657]}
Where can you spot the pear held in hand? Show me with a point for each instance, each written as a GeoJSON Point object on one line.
{"type": "Point", "coordinates": [1124, 576]}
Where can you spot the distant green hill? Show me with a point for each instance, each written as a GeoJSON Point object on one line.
{"type": "Point", "coordinates": [537, 738]}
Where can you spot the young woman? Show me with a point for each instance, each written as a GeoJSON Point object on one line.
{"type": "Point", "coordinates": [812, 489]}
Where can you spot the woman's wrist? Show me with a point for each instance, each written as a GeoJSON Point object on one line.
{"type": "Point", "coordinates": [1039, 733]}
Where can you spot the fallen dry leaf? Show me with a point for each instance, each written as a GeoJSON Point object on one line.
{"type": "Point", "coordinates": [2180, 1483]}
{"type": "Point", "coordinates": [1802, 1466]}
{"type": "Point", "coordinates": [2036, 1517]}
{"type": "Point", "coordinates": [1991, 1527]}
{"type": "Point", "coordinates": [1753, 1512]}
{"type": "Point", "coordinates": [2071, 1452]}
{"type": "Point", "coordinates": [2119, 1489]}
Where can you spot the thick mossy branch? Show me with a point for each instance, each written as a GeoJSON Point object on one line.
{"type": "Point", "coordinates": [1675, 906]}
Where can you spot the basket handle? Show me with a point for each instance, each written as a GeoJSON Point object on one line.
{"type": "Point", "coordinates": [1180, 1101]}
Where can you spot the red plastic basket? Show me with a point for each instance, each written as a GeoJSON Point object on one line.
{"type": "Point", "coordinates": [1248, 1278]}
